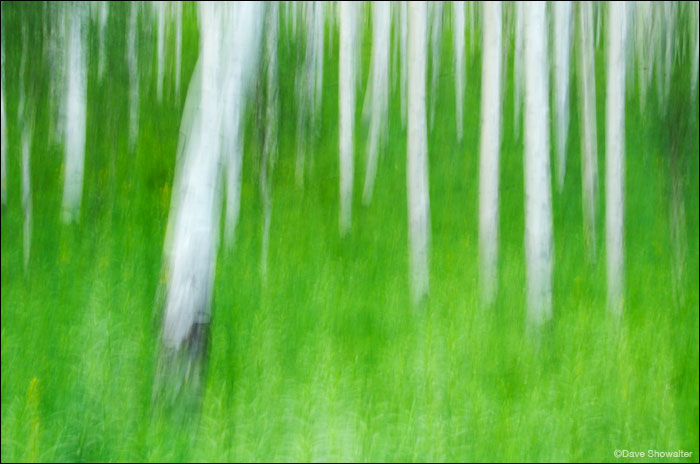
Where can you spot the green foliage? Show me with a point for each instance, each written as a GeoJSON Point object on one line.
{"type": "Point", "coordinates": [327, 360]}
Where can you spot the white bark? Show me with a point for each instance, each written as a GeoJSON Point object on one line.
{"type": "Point", "coordinates": [458, 63]}
{"type": "Point", "coordinates": [518, 59]}
{"type": "Point", "coordinates": [76, 113]}
{"type": "Point", "coordinates": [347, 78]}
{"type": "Point", "coordinates": [615, 155]}
{"type": "Point", "coordinates": [435, 47]}
{"type": "Point", "coordinates": [193, 238]}
{"type": "Point", "coordinates": [379, 91]}
{"type": "Point", "coordinates": [538, 194]}
{"type": "Point", "coordinates": [490, 151]}
{"type": "Point", "coordinates": [306, 89]}
{"type": "Point", "coordinates": [103, 14]}
{"type": "Point", "coordinates": [562, 47]}
{"type": "Point", "coordinates": [588, 124]}
{"type": "Point", "coordinates": [417, 153]}
{"type": "Point", "coordinates": [242, 58]}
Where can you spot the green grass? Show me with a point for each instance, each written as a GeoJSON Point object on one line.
{"type": "Point", "coordinates": [328, 360]}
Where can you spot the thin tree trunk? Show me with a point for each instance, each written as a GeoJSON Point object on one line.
{"type": "Point", "coordinates": [562, 47]}
{"type": "Point", "coordinates": [76, 112]}
{"type": "Point", "coordinates": [417, 154]}
{"type": "Point", "coordinates": [381, 25]}
{"type": "Point", "coordinates": [538, 193]}
{"type": "Point", "coordinates": [518, 59]}
{"type": "Point", "coordinates": [435, 46]}
{"type": "Point", "coordinates": [347, 78]}
{"type": "Point", "coordinates": [615, 155]}
{"type": "Point", "coordinates": [459, 70]}
{"type": "Point", "coordinates": [490, 151]}
{"type": "Point", "coordinates": [587, 117]}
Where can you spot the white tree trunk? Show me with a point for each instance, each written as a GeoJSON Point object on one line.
{"type": "Point", "coordinates": [379, 84]}
{"type": "Point", "coordinates": [103, 14]}
{"type": "Point", "coordinates": [76, 112]}
{"type": "Point", "coordinates": [435, 47]}
{"type": "Point", "coordinates": [588, 124]}
{"type": "Point", "coordinates": [193, 238]}
{"type": "Point", "coordinates": [615, 155]}
{"type": "Point", "coordinates": [242, 59]}
{"type": "Point", "coordinates": [347, 78]}
{"type": "Point", "coordinates": [417, 153]}
{"type": "Point", "coordinates": [306, 88]}
{"type": "Point", "coordinates": [518, 78]}
{"type": "Point", "coordinates": [538, 194]}
{"type": "Point", "coordinates": [562, 48]}
{"type": "Point", "coordinates": [490, 150]}
{"type": "Point", "coordinates": [459, 70]}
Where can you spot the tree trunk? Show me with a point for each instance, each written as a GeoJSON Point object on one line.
{"type": "Point", "coordinates": [459, 70]}
{"type": "Point", "coordinates": [379, 102]}
{"type": "Point", "coordinates": [615, 155]}
{"type": "Point", "coordinates": [587, 118]}
{"type": "Point", "coordinates": [435, 47]}
{"type": "Point", "coordinates": [562, 47]}
{"type": "Point", "coordinates": [269, 154]}
{"type": "Point", "coordinates": [490, 151]}
{"type": "Point", "coordinates": [76, 113]}
{"type": "Point", "coordinates": [417, 154]}
{"type": "Point", "coordinates": [347, 78]}
{"type": "Point", "coordinates": [538, 190]}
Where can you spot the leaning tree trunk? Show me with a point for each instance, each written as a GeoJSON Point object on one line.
{"type": "Point", "coordinates": [192, 236]}
{"type": "Point", "coordinates": [490, 151]}
{"type": "Point", "coordinates": [417, 154]}
{"type": "Point", "coordinates": [615, 155]}
{"type": "Point", "coordinates": [538, 190]}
